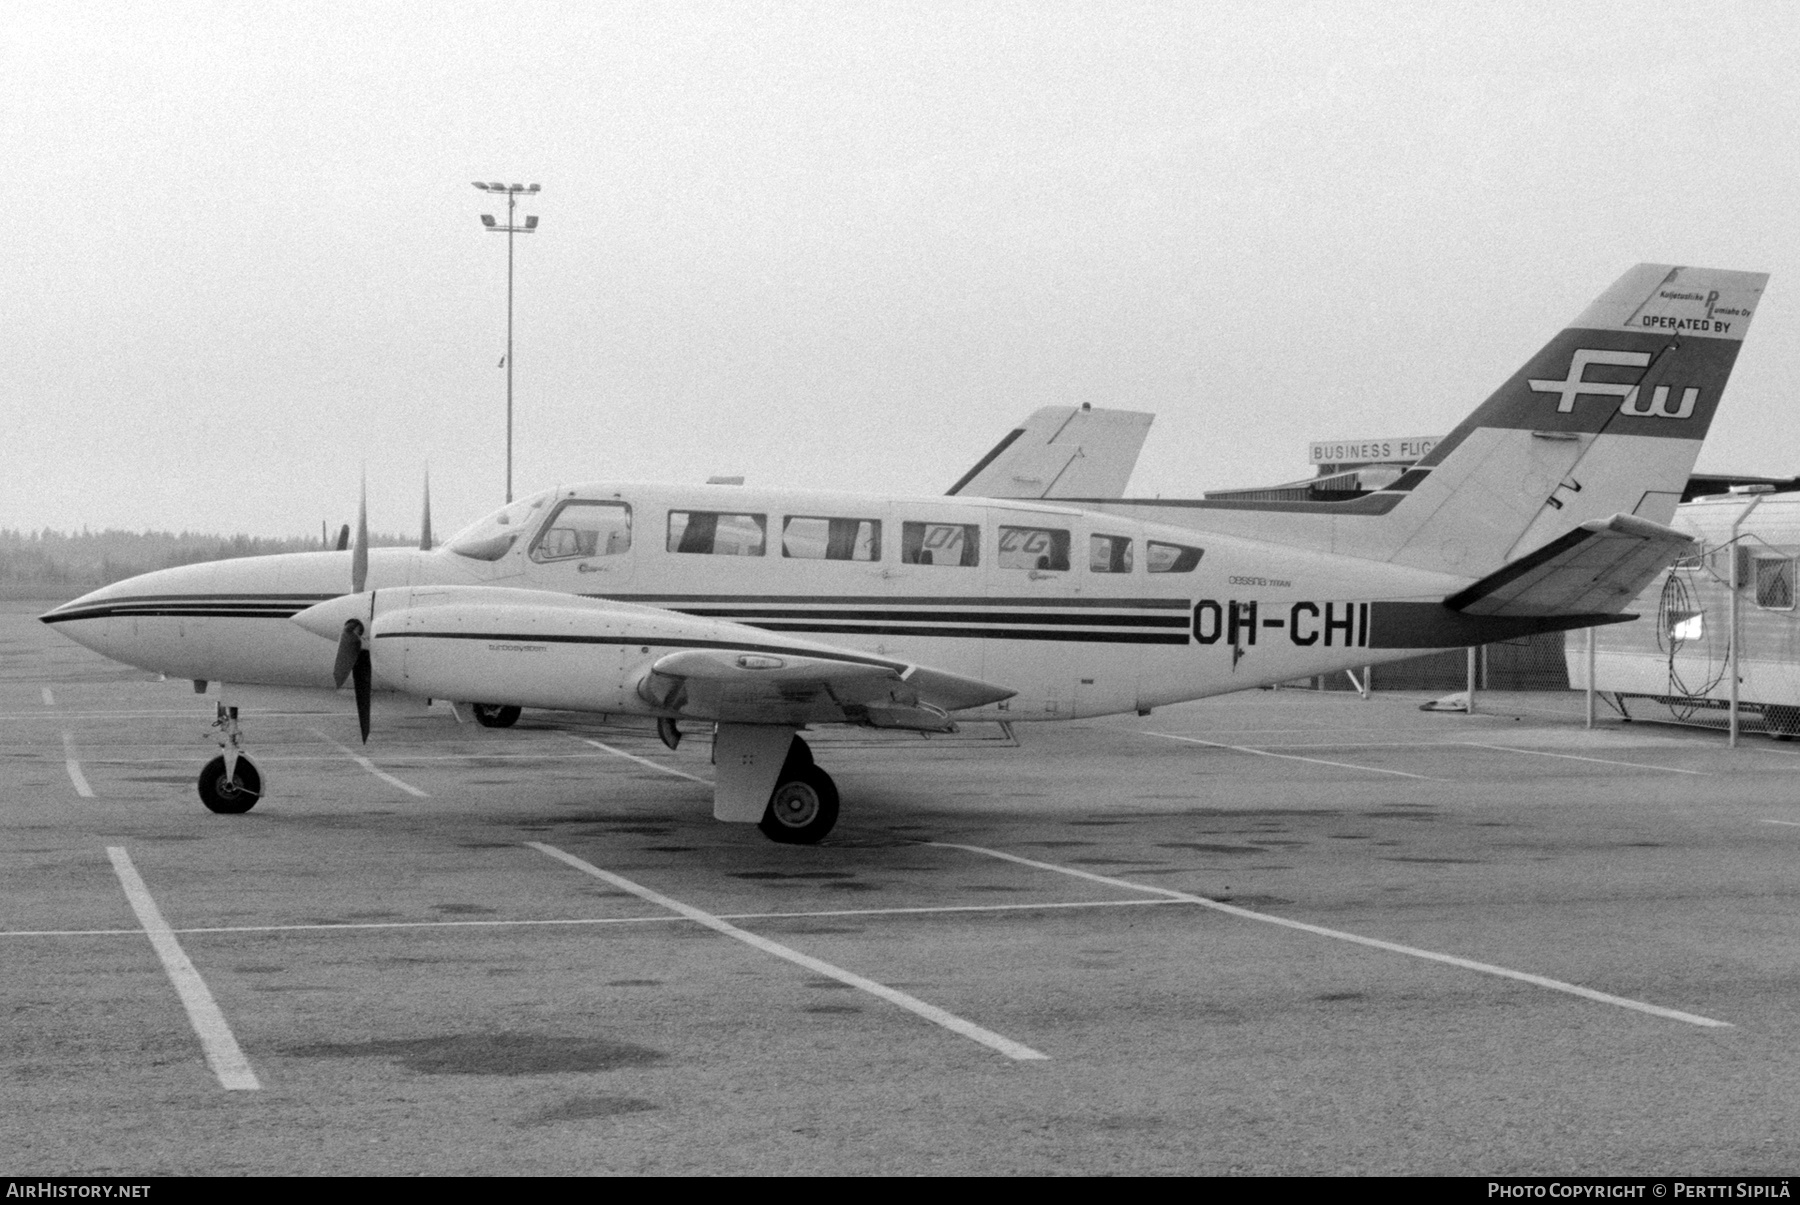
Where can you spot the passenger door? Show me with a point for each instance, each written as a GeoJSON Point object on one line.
{"type": "Point", "coordinates": [1034, 578]}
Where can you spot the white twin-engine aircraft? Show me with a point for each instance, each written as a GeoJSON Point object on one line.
{"type": "Point", "coordinates": [761, 612]}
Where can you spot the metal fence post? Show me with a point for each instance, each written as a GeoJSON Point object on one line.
{"type": "Point", "coordinates": [1590, 676]}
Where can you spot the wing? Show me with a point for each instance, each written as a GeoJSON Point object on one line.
{"type": "Point", "coordinates": [793, 687]}
{"type": "Point", "coordinates": [530, 648]}
{"type": "Point", "coordinates": [1596, 569]}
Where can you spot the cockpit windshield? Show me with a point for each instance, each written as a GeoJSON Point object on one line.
{"type": "Point", "coordinates": [493, 537]}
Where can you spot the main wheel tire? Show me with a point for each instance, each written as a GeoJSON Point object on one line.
{"type": "Point", "coordinates": [493, 715]}
{"type": "Point", "coordinates": [802, 809]}
{"type": "Point", "coordinates": [227, 795]}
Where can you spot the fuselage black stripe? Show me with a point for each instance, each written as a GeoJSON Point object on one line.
{"type": "Point", "coordinates": [297, 598]}
{"type": "Point", "coordinates": [132, 611]}
{"type": "Point", "coordinates": [977, 611]}
{"type": "Point", "coordinates": [949, 633]}
{"type": "Point", "coordinates": [757, 616]}
{"type": "Point", "coordinates": [680, 601]}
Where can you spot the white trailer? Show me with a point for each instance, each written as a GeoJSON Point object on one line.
{"type": "Point", "coordinates": [1674, 661]}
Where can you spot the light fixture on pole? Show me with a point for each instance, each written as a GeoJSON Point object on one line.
{"type": "Point", "coordinates": [512, 193]}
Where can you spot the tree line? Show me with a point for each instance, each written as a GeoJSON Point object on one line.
{"type": "Point", "coordinates": [57, 563]}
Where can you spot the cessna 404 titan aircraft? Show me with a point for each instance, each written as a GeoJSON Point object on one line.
{"type": "Point", "coordinates": [760, 612]}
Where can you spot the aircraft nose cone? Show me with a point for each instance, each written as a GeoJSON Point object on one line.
{"type": "Point", "coordinates": [92, 605]}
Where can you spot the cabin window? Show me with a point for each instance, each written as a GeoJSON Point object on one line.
{"type": "Point", "coordinates": [940, 544]}
{"type": "Point", "coordinates": [1171, 558]}
{"type": "Point", "coordinates": [585, 529]}
{"type": "Point", "coordinates": [1109, 554]}
{"type": "Point", "coordinates": [1034, 548]}
{"type": "Point", "coordinates": [812, 538]}
{"type": "Point", "coordinates": [1775, 583]}
{"type": "Point", "coordinates": [717, 533]}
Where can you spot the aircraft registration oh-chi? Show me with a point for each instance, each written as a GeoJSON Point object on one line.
{"type": "Point", "coordinates": [761, 612]}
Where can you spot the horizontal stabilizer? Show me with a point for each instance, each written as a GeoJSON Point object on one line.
{"type": "Point", "coordinates": [1595, 569]}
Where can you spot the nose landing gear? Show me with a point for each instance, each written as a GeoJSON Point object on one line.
{"type": "Point", "coordinates": [230, 783]}
{"type": "Point", "coordinates": [230, 794]}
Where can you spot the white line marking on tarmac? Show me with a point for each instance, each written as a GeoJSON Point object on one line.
{"type": "Point", "coordinates": [931, 1012]}
{"type": "Point", "coordinates": [402, 759]}
{"type": "Point", "coordinates": [603, 920]}
{"type": "Point", "coordinates": [222, 1052]}
{"type": "Point", "coordinates": [370, 766]}
{"type": "Point", "coordinates": [1604, 761]}
{"type": "Point", "coordinates": [1486, 968]}
{"type": "Point", "coordinates": [74, 767]}
{"type": "Point", "coordinates": [1317, 761]}
{"type": "Point", "coordinates": [1790, 823]}
{"type": "Point", "coordinates": [183, 714]}
{"type": "Point", "coordinates": [49, 699]}
{"type": "Point", "coordinates": [644, 761]}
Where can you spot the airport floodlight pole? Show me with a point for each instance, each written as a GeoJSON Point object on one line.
{"type": "Point", "coordinates": [512, 193]}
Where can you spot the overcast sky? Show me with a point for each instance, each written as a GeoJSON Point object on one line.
{"type": "Point", "coordinates": [837, 245]}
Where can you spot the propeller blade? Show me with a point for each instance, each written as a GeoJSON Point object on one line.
{"type": "Point", "coordinates": [425, 522]}
{"type": "Point", "coordinates": [343, 540]}
{"type": "Point", "coordinates": [350, 644]}
{"type": "Point", "coordinates": [360, 672]}
{"type": "Point", "coordinates": [359, 556]}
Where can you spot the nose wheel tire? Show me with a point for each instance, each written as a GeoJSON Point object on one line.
{"type": "Point", "coordinates": [802, 809]}
{"type": "Point", "coordinates": [230, 795]}
{"type": "Point", "coordinates": [493, 715]}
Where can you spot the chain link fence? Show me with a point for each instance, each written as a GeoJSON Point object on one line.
{"type": "Point", "coordinates": [1529, 663]}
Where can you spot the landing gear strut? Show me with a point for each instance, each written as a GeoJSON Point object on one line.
{"type": "Point", "coordinates": [230, 783]}
{"type": "Point", "coordinates": [804, 805]}
{"type": "Point", "coordinates": [493, 715]}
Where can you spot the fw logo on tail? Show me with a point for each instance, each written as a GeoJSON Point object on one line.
{"type": "Point", "coordinates": [1574, 385]}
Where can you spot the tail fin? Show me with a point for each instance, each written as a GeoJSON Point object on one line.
{"type": "Point", "coordinates": [1061, 452]}
{"type": "Point", "coordinates": [1605, 420]}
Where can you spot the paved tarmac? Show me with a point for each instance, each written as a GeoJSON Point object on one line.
{"type": "Point", "coordinates": [1274, 932]}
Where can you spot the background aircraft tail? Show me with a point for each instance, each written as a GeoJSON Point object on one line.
{"type": "Point", "coordinates": [1061, 452]}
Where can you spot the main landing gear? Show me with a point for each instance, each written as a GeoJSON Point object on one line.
{"type": "Point", "coordinates": [493, 715]}
{"type": "Point", "coordinates": [230, 783]}
{"type": "Point", "coordinates": [804, 805]}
